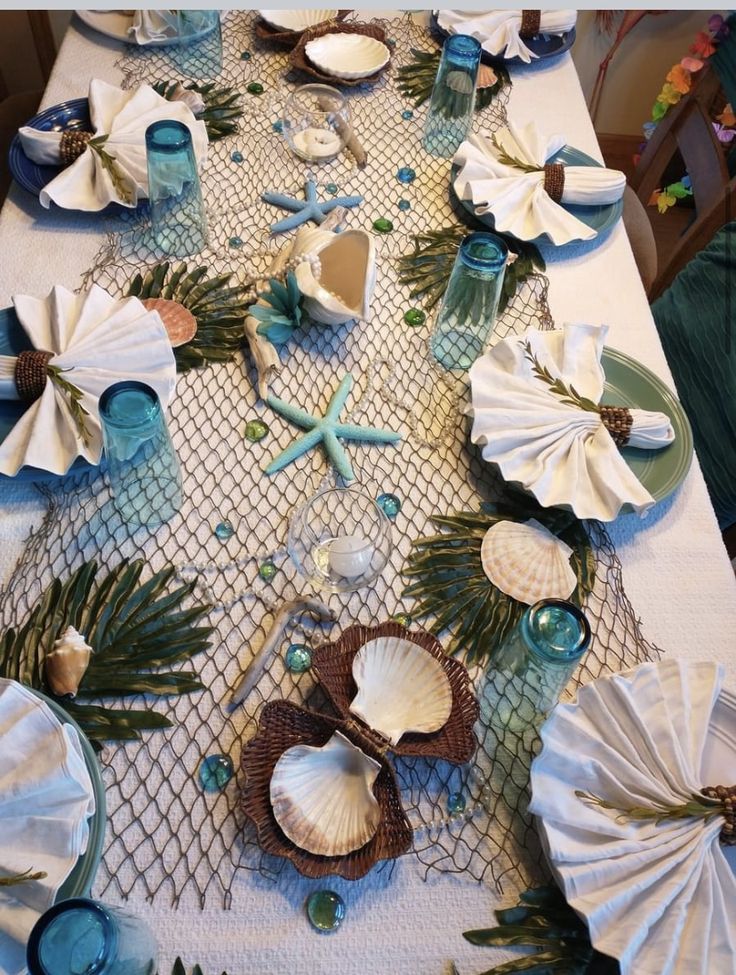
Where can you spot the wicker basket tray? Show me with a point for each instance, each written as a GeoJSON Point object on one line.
{"type": "Point", "coordinates": [301, 62]}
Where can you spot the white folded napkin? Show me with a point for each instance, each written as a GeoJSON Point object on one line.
{"type": "Point", "coordinates": [153, 26]}
{"type": "Point", "coordinates": [561, 453]}
{"type": "Point", "coordinates": [46, 798]}
{"type": "Point", "coordinates": [498, 30]}
{"type": "Point", "coordinates": [659, 897]}
{"type": "Point", "coordinates": [123, 117]}
{"type": "Point", "coordinates": [100, 340]}
{"type": "Point", "coordinates": [517, 199]}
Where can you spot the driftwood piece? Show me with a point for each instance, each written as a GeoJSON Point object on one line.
{"type": "Point", "coordinates": [265, 356]}
{"type": "Point", "coordinates": [347, 132]}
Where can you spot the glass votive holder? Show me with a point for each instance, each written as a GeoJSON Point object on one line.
{"type": "Point", "coordinates": [451, 108]}
{"type": "Point", "coordinates": [178, 219]}
{"type": "Point", "coordinates": [316, 122]}
{"type": "Point", "coordinates": [199, 52]}
{"type": "Point", "coordinates": [340, 540]}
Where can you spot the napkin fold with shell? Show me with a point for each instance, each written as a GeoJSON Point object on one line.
{"type": "Point", "coordinates": [536, 413]}
{"type": "Point", "coordinates": [82, 343]}
{"type": "Point", "coordinates": [507, 176]}
{"type": "Point", "coordinates": [504, 32]}
{"type": "Point", "coordinates": [108, 165]}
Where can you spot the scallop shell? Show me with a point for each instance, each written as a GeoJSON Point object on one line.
{"type": "Point", "coordinates": [297, 20]}
{"type": "Point", "coordinates": [336, 273]}
{"type": "Point", "coordinates": [322, 797]}
{"type": "Point", "coordinates": [348, 56]}
{"type": "Point", "coordinates": [527, 562]}
{"type": "Point", "coordinates": [67, 663]}
{"type": "Point", "coordinates": [401, 687]}
{"type": "Point", "coordinates": [179, 322]}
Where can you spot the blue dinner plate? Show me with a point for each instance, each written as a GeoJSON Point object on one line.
{"type": "Point", "coordinates": [12, 341]}
{"type": "Point", "coordinates": [73, 114]}
{"type": "Point", "coordinates": [545, 46]}
{"type": "Point", "coordinates": [598, 218]}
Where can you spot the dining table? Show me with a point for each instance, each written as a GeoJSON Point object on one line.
{"type": "Point", "coordinates": [404, 917]}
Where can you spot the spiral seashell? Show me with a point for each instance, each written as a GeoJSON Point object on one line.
{"type": "Point", "coordinates": [67, 663]}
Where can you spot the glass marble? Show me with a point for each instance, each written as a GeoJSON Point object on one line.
{"type": "Point", "coordinates": [406, 175]}
{"type": "Point", "coordinates": [224, 530]}
{"type": "Point", "coordinates": [407, 114]}
{"type": "Point", "coordinates": [245, 55]}
{"type": "Point", "coordinates": [455, 803]}
{"type": "Point", "coordinates": [389, 504]}
{"type": "Point", "coordinates": [298, 658]}
{"type": "Point", "coordinates": [332, 189]}
{"type": "Point", "coordinates": [325, 910]}
{"type": "Point", "coordinates": [267, 570]}
{"type": "Point", "coordinates": [237, 157]}
{"type": "Point", "coordinates": [415, 317]}
{"type": "Point", "coordinates": [383, 225]}
{"type": "Point", "coordinates": [255, 430]}
{"type": "Point", "coordinates": [236, 242]}
{"type": "Point", "coordinates": [404, 205]}
{"type": "Point", "coordinates": [278, 126]}
{"type": "Point", "coordinates": [255, 88]}
{"type": "Point", "coordinates": [403, 619]}
{"type": "Point", "coordinates": [215, 772]}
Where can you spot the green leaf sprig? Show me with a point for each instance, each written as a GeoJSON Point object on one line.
{"type": "Point", "coordinates": [109, 164]}
{"type": "Point", "coordinates": [179, 969]}
{"type": "Point", "coordinates": [567, 394]}
{"type": "Point", "coordinates": [698, 807]}
{"type": "Point", "coordinates": [74, 395]}
{"type": "Point", "coordinates": [509, 160]}
{"type": "Point", "coordinates": [22, 878]}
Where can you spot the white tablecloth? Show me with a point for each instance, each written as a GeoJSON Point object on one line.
{"type": "Point", "coordinates": [676, 574]}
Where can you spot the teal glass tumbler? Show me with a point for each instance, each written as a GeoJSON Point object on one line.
{"type": "Point", "coordinates": [450, 114]}
{"type": "Point", "coordinates": [144, 472]}
{"type": "Point", "coordinates": [199, 52]}
{"type": "Point", "coordinates": [178, 219]}
{"type": "Point", "coordinates": [84, 937]}
{"type": "Point", "coordinates": [468, 311]}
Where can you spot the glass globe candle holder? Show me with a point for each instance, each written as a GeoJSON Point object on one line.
{"type": "Point", "coordinates": [340, 540]}
{"type": "Point", "coordinates": [316, 122]}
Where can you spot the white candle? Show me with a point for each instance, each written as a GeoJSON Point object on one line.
{"type": "Point", "coordinates": [317, 143]}
{"type": "Point", "coordinates": [350, 555]}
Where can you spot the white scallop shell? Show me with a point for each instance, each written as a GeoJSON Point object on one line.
{"type": "Point", "coordinates": [527, 562]}
{"type": "Point", "coordinates": [296, 19]}
{"type": "Point", "coordinates": [401, 687]}
{"type": "Point", "coordinates": [336, 273]}
{"type": "Point", "coordinates": [322, 797]}
{"type": "Point", "coordinates": [348, 56]}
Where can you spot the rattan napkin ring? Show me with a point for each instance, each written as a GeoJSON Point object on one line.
{"type": "Point", "coordinates": [530, 23]}
{"type": "Point", "coordinates": [289, 38]}
{"type": "Point", "coordinates": [618, 421]}
{"type": "Point", "coordinates": [298, 58]}
{"type": "Point", "coordinates": [30, 374]}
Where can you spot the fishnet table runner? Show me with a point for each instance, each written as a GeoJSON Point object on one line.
{"type": "Point", "coordinates": [166, 834]}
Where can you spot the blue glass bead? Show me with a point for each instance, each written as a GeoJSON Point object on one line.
{"type": "Point", "coordinates": [407, 114]}
{"type": "Point", "coordinates": [403, 619]}
{"type": "Point", "coordinates": [390, 42]}
{"type": "Point", "coordinates": [404, 205]}
{"type": "Point", "coordinates": [389, 504]}
{"type": "Point", "coordinates": [332, 189]}
{"type": "Point", "coordinates": [236, 156]}
{"type": "Point", "coordinates": [245, 55]}
{"type": "Point", "coordinates": [224, 530]}
{"type": "Point", "coordinates": [215, 772]}
{"type": "Point", "coordinates": [298, 658]}
{"type": "Point", "coordinates": [236, 242]}
{"type": "Point", "coordinates": [455, 803]}
{"type": "Point", "coordinates": [267, 570]}
{"type": "Point", "coordinates": [278, 126]}
{"type": "Point", "coordinates": [406, 175]}
{"type": "Point", "coordinates": [325, 910]}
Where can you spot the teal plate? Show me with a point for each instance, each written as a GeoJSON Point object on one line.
{"type": "Point", "coordinates": [598, 218]}
{"type": "Point", "coordinates": [628, 383]}
{"type": "Point", "coordinates": [79, 881]}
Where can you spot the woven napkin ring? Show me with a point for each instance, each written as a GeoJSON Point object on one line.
{"type": "Point", "coordinates": [30, 373]}
{"type": "Point", "coordinates": [726, 795]}
{"type": "Point", "coordinates": [72, 145]}
{"type": "Point", "coordinates": [530, 21]}
{"type": "Point", "coordinates": [618, 421]}
{"type": "Point", "coordinates": [554, 181]}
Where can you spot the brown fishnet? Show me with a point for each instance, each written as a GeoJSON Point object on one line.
{"type": "Point", "coordinates": [166, 834]}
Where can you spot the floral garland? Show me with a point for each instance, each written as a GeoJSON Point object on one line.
{"type": "Point", "coordinates": [678, 83]}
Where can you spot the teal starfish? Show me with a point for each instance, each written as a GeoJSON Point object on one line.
{"type": "Point", "coordinates": [310, 208]}
{"type": "Point", "coordinates": [325, 430]}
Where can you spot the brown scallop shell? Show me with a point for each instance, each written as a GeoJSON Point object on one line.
{"type": "Point", "coordinates": [179, 322]}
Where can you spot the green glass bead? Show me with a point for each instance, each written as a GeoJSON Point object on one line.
{"type": "Point", "coordinates": [415, 317]}
{"type": "Point", "coordinates": [255, 430]}
{"type": "Point", "coordinates": [325, 910]}
{"type": "Point", "coordinates": [215, 772]}
{"type": "Point", "coordinates": [255, 88]}
{"type": "Point", "coordinates": [383, 225]}
{"type": "Point", "coordinates": [267, 570]}
{"type": "Point", "coordinates": [298, 658]}
{"type": "Point", "coordinates": [403, 619]}
{"type": "Point", "coordinates": [245, 55]}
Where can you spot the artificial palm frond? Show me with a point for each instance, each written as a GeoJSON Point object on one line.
{"type": "Point", "coordinates": [22, 878]}
{"type": "Point", "coordinates": [282, 313]}
{"type": "Point", "coordinates": [222, 106]}
{"type": "Point", "coordinates": [133, 628]}
{"type": "Point", "coordinates": [428, 269]}
{"type": "Point", "coordinates": [450, 584]}
{"type": "Point", "coordinates": [416, 79]}
{"type": "Point", "coordinates": [219, 308]}
{"type": "Point", "coordinates": [543, 919]}
{"type": "Point", "coordinates": [179, 969]}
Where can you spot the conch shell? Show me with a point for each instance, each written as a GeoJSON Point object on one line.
{"type": "Point", "coordinates": [336, 273]}
{"type": "Point", "coordinates": [67, 663]}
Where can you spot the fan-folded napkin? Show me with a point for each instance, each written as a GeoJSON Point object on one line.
{"type": "Point", "coordinates": [498, 30]}
{"type": "Point", "coordinates": [518, 200]}
{"type": "Point", "coordinates": [154, 26]}
{"type": "Point", "coordinates": [563, 454]}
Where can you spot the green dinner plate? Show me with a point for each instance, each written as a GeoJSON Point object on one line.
{"type": "Point", "coordinates": [79, 881]}
{"type": "Point", "coordinates": [629, 383]}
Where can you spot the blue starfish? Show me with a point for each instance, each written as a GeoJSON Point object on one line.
{"type": "Point", "coordinates": [309, 208]}
{"type": "Point", "coordinates": [325, 429]}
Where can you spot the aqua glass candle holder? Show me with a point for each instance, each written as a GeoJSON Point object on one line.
{"type": "Point", "coordinates": [450, 114]}
{"type": "Point", "coordinates": [178, 219]}
{"type": "Point", "coordinates": [199, 52]}
{"type": "Point", "coordinates": [469, 308]}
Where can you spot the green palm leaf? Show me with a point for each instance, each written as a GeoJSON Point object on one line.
{"type": "Point", "coordinates": [416, 79]}
{"type": "Point", "coordinates": [222, 106]}
{"type": "Point", "coordinates": [448, 581]}
{"type": "Point", "coordinates": [219, 308]}
{"type": "Point", "coordinates": [132, 627]}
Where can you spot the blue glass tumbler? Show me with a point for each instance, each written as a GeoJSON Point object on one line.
{"type": "Point", "coordinates": [199, 53]}
{"type": "Point", "coordinates": [143, 468]}
{"type": "Point", "coordinates": [178, 217]}
{"type": "Point", "coordinates": [84, 937]}
{"type": "Point", "coordinates": [453, 96]}
{"type": "Point", "coordinates": [470, 305]}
